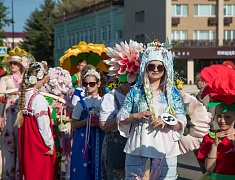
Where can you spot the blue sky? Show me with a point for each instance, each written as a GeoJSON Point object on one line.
{"type": "Point", "coordinates": [22, 10]}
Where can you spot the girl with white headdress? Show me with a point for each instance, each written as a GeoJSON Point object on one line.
{"type": "Point", "coordinates": [37, 154]}
{"type": "Point", "coordinates": [152, 116]}
{"type": "Point", "coordinates": [87, 136]}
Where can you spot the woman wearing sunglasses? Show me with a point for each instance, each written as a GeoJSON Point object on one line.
{"type": "Point", "coordinates": [17, 61]}
{"type": "Point", "coordinates": [87, 137]}
{"type": "Point", "coordinates": [152, 116]}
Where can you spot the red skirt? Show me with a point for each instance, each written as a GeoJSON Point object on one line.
{"type": "Point", "coordinates": [34, 164]}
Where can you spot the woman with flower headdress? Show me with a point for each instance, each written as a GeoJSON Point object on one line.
{"type": "Point", "coordinates": [217, 149]}
{"type": "Point", "coordinates": [60, 84]}
{"type": "Point", "coordinates": [17, 61]}
{"type": "Point", "coordinates": [37, 156]}
{"type": "Point", "coordinates": [126, 69]}
{"type": "Point", "coordinates": [152, 116]}
{"type": "Point", "coordinates": [87, 135]}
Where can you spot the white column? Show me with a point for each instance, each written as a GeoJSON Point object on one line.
{"type": "Point", "coordinates": [220, 18]}
{"type": "Point", "coordinates": [168, 19]}
{"type": "Point", "coordinates": [190, 71]}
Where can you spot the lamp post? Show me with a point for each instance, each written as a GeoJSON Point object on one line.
{"type": "Point", "coordinates": [13, 34]}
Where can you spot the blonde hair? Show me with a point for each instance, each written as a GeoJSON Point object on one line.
{"type": "Point", "coordinates": [19, 118]}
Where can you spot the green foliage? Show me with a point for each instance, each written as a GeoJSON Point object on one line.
{"type": "Point", "coordinates": [3, 15]}
{"type": "Point", "coordinates": [39, 33]}
{"type": "Point", "coordinates": [69, 6]}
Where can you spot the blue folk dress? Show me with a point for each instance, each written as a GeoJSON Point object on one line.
{"type": "Point", "coordinates": [87, 143]}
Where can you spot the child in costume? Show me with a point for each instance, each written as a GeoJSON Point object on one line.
{"type": "Point", "coordinates": [87, 135]}
{"type": "Point", "coordinates": [17, 61]}
{"type": "Point", "coordinates": [37, 154]}
{"type": "Point", "coordinates": [113, 157]}
{"type": "Point", "coordinates": [79, 92]}
{"type": "Point", "coordinates": [150, 133]}
{"type": "Point", "coordinates": [217, 149]}
{"type": "Point", "coordinates": [76, 78]}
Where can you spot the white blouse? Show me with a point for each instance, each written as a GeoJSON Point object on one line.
{"type": "Point", "coordinates": [40, 112]}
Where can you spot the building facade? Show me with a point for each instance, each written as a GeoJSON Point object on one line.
{"type": "Point", "coordinates": [12, 40]}
{"type": "Point", "coordinates": [100, 23]}
{"type": "Point", "coordinates": [205, 30]}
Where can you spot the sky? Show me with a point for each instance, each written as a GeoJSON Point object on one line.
{"type": "Point", "coordinates": [21, 10]}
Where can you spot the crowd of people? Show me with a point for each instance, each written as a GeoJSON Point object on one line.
{"type": "Point", "coordinates": [131, 123]}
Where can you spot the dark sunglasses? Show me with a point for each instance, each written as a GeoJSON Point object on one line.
{"type": "Point", "coordinates": [14, 63]}
{"type": "Point", "coordinates": [91, 84]}
{"type": "Point", "coordinates": [151, 67]}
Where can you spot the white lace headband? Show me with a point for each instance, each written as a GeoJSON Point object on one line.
{"type": "Point", "coordinates": [92, 72]}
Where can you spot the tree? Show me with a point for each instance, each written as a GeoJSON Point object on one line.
{"type": "Point", "coordinates": [3, 19]}
{"type": "Point", "coordinates": [39, 33]}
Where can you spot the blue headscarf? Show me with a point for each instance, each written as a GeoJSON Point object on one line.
{"type": "Point", "coordinates": [161, 52]}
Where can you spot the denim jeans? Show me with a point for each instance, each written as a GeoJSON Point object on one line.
{"type": "Point", "coordinates": [135, 165]}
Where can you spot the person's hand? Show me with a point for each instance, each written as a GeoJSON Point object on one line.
{"type": "Point", "coordinates": [157, 122]}
{"type": "Point", "coordinates": [2, 123]}
{"type": "Point", "coordinates": [219, 137]}
{"type": "Point", "coordinates": [51, 151]}
{"type": "Point", "coordinates": [144, 115]}
{"type": "Point", "coordinates": [56, 104]}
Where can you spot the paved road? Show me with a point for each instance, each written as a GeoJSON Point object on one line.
{"type": "Point", "coordinates": [188, 167]}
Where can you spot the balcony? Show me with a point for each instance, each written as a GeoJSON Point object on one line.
{"type": "Point", "coordinates": [196, 43]}
{"type": "Point", "coordinates": [175, 21]}
{"type": "Point", "coordinates": [212, 21]}
{"type": "Point", "coordinates": [228, 20]}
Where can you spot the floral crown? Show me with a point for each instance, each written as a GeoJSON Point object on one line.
{"type": "Point", "coordinates": [60, 81]}
{"type": "Point", "coordinates": [124, 60]}
{"type": "Point", "coordinates": [92, 72]}
{"type": "Point", "coordinates": [41, 72]}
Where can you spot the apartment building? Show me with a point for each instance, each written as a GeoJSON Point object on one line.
{"type": "Point", "coordinates": [100, 23]}
{"type": "Point", "coordinates": [205, 30]}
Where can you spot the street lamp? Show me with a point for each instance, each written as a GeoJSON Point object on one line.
{"type": "Point", "coordinates": [13, 34]}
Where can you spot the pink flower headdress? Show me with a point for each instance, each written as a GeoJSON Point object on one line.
{"type": "Point", "coordinates": [125, 60]}
{"type": "Point", "coordinates": [59, 82]}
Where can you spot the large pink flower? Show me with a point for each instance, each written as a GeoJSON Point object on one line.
{"type": "Point", "coordinates": [124, 58]}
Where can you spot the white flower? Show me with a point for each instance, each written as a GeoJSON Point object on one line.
{"type": "Point", "coordinates": [32, 79]}
{"type": "Point", "coordinates": [40, 75]}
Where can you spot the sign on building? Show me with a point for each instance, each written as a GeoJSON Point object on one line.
{"type": "Point", "coordinates": [3, 50]}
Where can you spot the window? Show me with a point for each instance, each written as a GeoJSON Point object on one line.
{"type": "Point", "coordinates": [229, 10]}
{"type": "Point", "coordinates": [179, 35]}
{"type": "Point", "coordinates": [108, 32]}
{"type": "Point", "coordinates": [179, 10]}
{"type": "Point", "coordinates": [102, 33]}
{"type": "Point", "coordinates": [204, 10]}
{"type": "Point", "coordinates": [93, 36]}
{"type": "Point", "coordinates": [119, 34]}
{"type": "Point", "coordinates": [139, 16]}
{"type": "Point", "coordinates": [140, 38]}
{"type": "Point", "coordinates": [204, 35]}
{"type": "Point", "coordinates": [229, 34]}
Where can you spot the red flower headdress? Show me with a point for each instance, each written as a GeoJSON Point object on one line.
{"type": "Point", "coordinates": [220, 85]}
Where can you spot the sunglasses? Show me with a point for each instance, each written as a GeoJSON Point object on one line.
{"type": "Point", "coordinates": [91, 84]}
{"type": "Point", "coordinates": [152, 67]}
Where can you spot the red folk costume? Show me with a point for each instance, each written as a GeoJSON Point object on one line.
{"type": "Point", "coordinates": [221, 89]}
{"type": "Point", "coordinates": [35, 136]}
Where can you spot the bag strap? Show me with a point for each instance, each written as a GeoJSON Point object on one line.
{"type": "Point", "coordinates": [116, 100]}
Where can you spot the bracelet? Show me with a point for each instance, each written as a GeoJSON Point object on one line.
{"type": "Point", "coordinates": [209, 157]}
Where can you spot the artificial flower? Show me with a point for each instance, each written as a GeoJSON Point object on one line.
{"type": "Point", "coordinates": [40, 75]}
{"type": "Point", "coordinates": [125, 58]}
{"type": "Point", "coordinates": [60, 81]}
{"type": "Point", "coordinates": [32, 79]}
